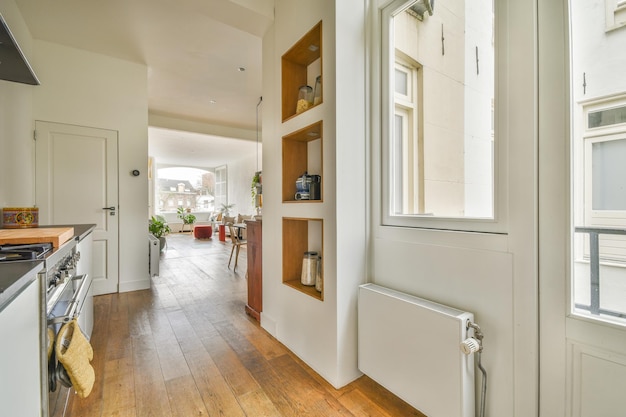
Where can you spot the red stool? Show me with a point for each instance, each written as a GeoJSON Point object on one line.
{"type": "Point", "coordinates": [203, 231]}
{"type": "Point", "coordinates": [222, 232]}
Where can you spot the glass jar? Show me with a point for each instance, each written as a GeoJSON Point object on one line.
{"type": "Point", "coordinates": [317, 92]}
{"type": "Point", "coordinates": [309, 269]}
{"type": "Point", "coordinates": [319, 283]}
{"type": "Point", "coordinates": [305, 98]}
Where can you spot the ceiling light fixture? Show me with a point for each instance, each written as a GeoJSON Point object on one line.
{"type": "Point", "coordinates": [241, 69]}
{"type": "Point", "coordinates": [212, 101]}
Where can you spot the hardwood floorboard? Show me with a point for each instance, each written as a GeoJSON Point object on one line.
{"type": "Point", "coordinates": [185, 347]}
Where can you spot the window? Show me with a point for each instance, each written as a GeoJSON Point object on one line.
{"type": "Point", "coordinates": [615, 14]}
{"type": "Point", "coordinates": [599, 208]}
{"type": "Point", "coordinates": [405, 152]}
{"type": "Point", "coordinates": [221, 186]}
{"type": "Point", "coordinates": [187, 187]}
{"type": "Point", "coordinates": [437, 137]}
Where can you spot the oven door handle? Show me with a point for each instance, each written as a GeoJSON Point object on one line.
{"type": "Point", "coordinates": [70, 312]}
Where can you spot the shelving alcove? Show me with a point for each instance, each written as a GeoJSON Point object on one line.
{"type": "Point", "coordinates": [301, 235]}
{"type": "Point", "coordinates": [301, 65]}
{"type": "Point", "coordinates": [302, 152]}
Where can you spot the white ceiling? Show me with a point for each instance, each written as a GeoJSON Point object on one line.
{"type": "Point", "coordinates": [197, 150]}
{"type": "Point", "coordinates": [193, 50]}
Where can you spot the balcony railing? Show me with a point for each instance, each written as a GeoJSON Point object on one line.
{"type": "Point", "coordinates": [594, 263]}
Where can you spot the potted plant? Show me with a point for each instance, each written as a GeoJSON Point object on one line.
{"type": "Point", "coordinates": [159, 228]}
{"type": "Point", "coordinates": [225, 209]}
{"type": "Point", "coordinates": [256, 189]}
{"type": "Point", "coordinates": [186, 216]}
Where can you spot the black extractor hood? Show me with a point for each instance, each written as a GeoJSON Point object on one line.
{"type": "Point", "coordinates": [13, 63]}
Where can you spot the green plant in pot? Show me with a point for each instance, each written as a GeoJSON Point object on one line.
{"type": "Point", "coordinates": [159, 228]}
{"type": "Point", "coordinates": [256, 189]}
{"type": "Point", "coordinates": [225, 209]}
{"type": "Point", "coordinates": [185, 216]}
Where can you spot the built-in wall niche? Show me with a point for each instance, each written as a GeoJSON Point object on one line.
{"type": "Point", "coordinates": [302, 235]}
{"type": "Point", "coordinates": [302, 152]}
{"type": "Point", "coordinates": [301, 66]}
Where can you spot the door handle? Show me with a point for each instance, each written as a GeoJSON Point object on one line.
{"type": "Point", "coordinates": [109, 208]}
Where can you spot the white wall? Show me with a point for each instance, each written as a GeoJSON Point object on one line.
{"type": "Point", "coordinates": [240, 174]}
{"type": "Point", "coordinates": [322, 333]}
{"type": "Point", "coordinates": [87, 89]}
{"type": "Point", "coordinates": [493, 276]}
{"type": "Point", "coordinates": [16, 123]}
{"type": "Point", "coordinates": [83, 89]}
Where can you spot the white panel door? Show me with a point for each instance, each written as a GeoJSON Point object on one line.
{"type": "Point", "coordinates": [76, 183]}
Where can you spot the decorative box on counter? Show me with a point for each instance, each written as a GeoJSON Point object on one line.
{"type": "Point", "coordinates": [19, 217]}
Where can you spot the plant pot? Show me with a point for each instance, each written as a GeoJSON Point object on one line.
{"type": "Point", "coordinates": [162, 243]}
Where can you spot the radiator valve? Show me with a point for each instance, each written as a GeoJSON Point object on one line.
{"type": "Point", "coordinates": [473, 344]}
{"type": "Point", "coordinates": [470, 345]}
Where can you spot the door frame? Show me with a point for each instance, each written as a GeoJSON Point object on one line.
{"type": "Point", "coordinates": [554, 203]}
{"type": "Point", "coordinates": [106, 270]}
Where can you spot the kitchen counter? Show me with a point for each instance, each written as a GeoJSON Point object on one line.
{"type": "Point", "coordinates": [15, 277]}
{"type": "Point", "coordinates": [80, 230]}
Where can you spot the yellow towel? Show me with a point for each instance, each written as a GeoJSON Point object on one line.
{"type": "Point", "coordinates": [74, 352]}
{"type": "Point", "coordinates": [50, 340]}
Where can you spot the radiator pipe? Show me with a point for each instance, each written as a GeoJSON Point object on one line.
{"type": "Point", "coordinates": [478, 337]}
{"type": "Point", "coordinates": [483, 391]}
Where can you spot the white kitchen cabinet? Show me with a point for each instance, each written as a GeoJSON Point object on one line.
{"type": "Point", "coordinates": [20, 372]}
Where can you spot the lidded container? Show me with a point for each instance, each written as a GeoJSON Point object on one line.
{"type": "Point", "coordinates": [319, 284]}
{"type": "Point", "coordinates": [310, 268]}
{"type": "Point", "coordinates": [20, 217]}
{"type": "Point", "coordinates": [317, 92]}
{"type": "Point", "coordinates": [305, 98]}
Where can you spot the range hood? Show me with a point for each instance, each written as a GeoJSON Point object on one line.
{"type": "Point", "coordinates": [13, 63]}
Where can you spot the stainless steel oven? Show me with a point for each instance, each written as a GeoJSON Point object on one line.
{"type": "Point", "coordinates": [68, 296]}
{"type": "Point", "coordinates": [64, 295]}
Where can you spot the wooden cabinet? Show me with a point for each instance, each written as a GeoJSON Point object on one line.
{"type": "Point", "coordinates": [255, 268]}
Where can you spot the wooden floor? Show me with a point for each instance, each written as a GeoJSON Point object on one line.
{"type": "Point", "coordinates": [186, 348]}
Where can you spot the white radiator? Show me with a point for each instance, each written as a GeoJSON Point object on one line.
{"type": "Point", "coordinates": [411, 347]}
{"type": "Point", "coordinates": [154, 253]}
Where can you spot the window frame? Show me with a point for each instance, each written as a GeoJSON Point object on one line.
{"type": "Point", "coordinates": [386, 51]}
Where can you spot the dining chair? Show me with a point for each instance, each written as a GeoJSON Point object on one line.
{"type": "Point", "coordinates": [237, 244]}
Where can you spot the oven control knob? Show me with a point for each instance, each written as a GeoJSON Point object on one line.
{"type": "Point", "coordinates": [56, 278]}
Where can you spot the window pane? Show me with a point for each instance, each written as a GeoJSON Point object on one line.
{"type": "Point", "coordinates": [446, 164]}
{"type": "Point", "coordinates": [396, 156]}
{"type": "Point", "coordinates": [187, 187]}
{"type": "Point", "coordinates": [607, 117]}
{"type": "Point", "coordinates": [401, 82]}
{"type": "Point", "coordinates": [609, 175]}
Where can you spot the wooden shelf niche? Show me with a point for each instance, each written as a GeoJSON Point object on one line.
{"type": "Point", "coordinates": [300, 66]}
{"type": "Point", "coordinates": [302, 152]}
{"type": "Point", "coordinates": [301, 235]}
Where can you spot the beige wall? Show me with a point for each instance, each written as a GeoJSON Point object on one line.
{"type": "Point", "coordinates": [87, 89]}
{"type": "Point", "coordinates": [16, 123]}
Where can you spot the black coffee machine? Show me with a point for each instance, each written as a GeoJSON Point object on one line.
{"type": "Point", "coordinates": [308, 187]}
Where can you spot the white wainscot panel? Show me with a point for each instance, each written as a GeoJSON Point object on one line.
{"type": "Point", "coordinates": [598, 382]}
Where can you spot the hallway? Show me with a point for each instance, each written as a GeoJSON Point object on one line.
{"type": "Point", "coordinates": [186, 348]}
